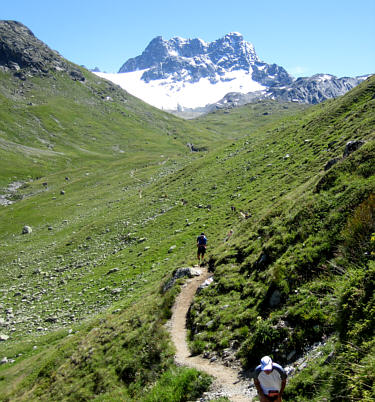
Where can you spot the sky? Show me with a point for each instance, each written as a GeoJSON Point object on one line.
{"type": "Point", "coordinates": [305, 37]}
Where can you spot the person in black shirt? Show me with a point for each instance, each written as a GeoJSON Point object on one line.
{"type": "Point", "coordinates": [201, 244]}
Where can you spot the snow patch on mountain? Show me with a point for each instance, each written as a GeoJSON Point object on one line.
{"type": "Point", "coordinates": [179, 74]}
{"type": "Point", "coordinates": [173, 95]}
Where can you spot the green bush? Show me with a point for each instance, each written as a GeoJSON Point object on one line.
{"type": "Point", "coordinates": [360, 227]}
{"type": "Point", "coordinates": [178, 385]}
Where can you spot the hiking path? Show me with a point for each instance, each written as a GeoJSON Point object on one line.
{"type": "Point", "coordinates": [228, 381]}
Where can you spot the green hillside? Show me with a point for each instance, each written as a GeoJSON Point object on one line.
{"type": "Point", "coordinates": [115, 199]}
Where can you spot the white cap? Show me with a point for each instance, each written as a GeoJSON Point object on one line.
{"type": "Point", "coordinates": [266, 363]}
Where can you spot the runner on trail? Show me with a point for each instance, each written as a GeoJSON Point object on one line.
{"type": "Point", "coordinates": [201, 244]}
{"type": "Point", "coordinates": [269, 380]}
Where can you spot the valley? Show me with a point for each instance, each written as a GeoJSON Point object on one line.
{"type": "Point", "coordinates": [115, 196]}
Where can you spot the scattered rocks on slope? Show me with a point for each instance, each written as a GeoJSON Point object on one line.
{"type": "Point", "coordinates": [350, 147]}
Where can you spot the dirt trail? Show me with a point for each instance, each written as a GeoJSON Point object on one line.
{"type": "Point", "coordinates": [227, 381]}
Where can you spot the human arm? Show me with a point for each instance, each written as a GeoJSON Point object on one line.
{"type": "Point", "coordinates": [283, 384]}
{"type": "Point", "coordinates": [261, 395]}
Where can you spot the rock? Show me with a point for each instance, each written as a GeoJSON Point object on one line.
{"type": "Point", "coordinates": [26, 230]}
{"type": "Point", "coordinates": [275, 298]}
{"type": "Point", "coordinates": [261, 261]}
{"type": "Point", "coordinates": [289, 370]}
{"type": "Point", "coordinates": [3, 337]}
{"type": "Point", "coordinates": [291, 355]}
{"type": "Point", "coordinates": [330, 163]}
{"type": "Point", "coordinates": [76, 75]}
{"type": "Point", "coordinates": [171, 248]}
{"type": "Point", "coordinates": [206, 283]}
{"type": "Point", "coordinates": [180, 273]}
{"type": "Point", "coordinates": [116, 291]}
{"type": "Point", "coordinates": [352, 146]}
{"type": "Point", "coordinates": [62, 192]}
{"type": "Point", "coordinates": [112, 271]}
{"type": "Point", "coordinates": [210, 324]}
{"type": "Point", "coordinates": [4, 360]}
{"type": "Point", "coordinates": [329, 358]}
{"type": "Point", "coordinates": [52, 319]}
{"type": "Point", "coordinates": [20, 49]}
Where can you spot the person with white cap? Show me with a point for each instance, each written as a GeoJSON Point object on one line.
{"type": "Point", "coordinates": [269, 380]}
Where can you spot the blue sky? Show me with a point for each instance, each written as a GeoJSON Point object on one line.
{"type": "Point", "coordinates": [305, 37]}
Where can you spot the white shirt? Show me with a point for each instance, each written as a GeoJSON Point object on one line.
{"type": "Point", "coordinates": [272, 381]}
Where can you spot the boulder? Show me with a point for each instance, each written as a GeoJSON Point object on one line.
{"type": "Point", "coordinates": [26, 230]}
{"type": "Point", "coordinates": [352, 146]}
{"type": "Point", "coordinates": [180, 273]}
{"type": "Point", "coordinates": [330, 163]}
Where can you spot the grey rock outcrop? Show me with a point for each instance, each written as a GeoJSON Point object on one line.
{"type": "Point", "coordinates": [22, 53]}
{"type": "Point", "coordinates": [315, 89]}
{"type": "Point", "coordinates": [310, 90]}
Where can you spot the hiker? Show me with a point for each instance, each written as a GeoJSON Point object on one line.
{"type": "Point", "coordinates": [269, 380]}
{"type": "Point", "coordinates": [201, 244]}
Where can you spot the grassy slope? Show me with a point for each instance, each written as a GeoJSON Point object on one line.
{"type": "Point", "coordinates": [308, 239]}
{"type": "Point", "coordinates": [51, 122]}
{"type": "Point", "coordinates": [119, 156]}
{"type": "Point", "coordinates": [127, 217]}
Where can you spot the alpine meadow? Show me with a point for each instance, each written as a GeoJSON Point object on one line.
{"type": "Point", "coordinates": [102, 197]}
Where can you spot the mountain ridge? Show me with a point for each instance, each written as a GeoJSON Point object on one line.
{"type": "Point", "coordinates": [193, 76]}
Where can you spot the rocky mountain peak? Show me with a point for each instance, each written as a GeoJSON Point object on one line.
{"type": "Point", "coordinates": [232, 45]}
{"type": "Point", "coordinates": [186, 74]}
{"type": "Point", "coordinates": [21, 51]}
{"type": "Point", "coordinates": [189, 60]}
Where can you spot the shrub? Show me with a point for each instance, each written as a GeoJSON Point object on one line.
{"type": "Point", "coordinates": [360, 226]}
{"type": "Point", "coordinates": [179, 384]}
